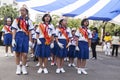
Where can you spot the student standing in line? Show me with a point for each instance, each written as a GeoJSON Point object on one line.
{"type": "Point", "coordinates": [84, 42]}
{"type": "Point", "coordinates": [22, 29]}
{"type": "Point", "coordinates": [45, 36]}
{"type": "Point", "coordinates": [7, 36]}
{"type": "Point", "coordinates": [63, 34]}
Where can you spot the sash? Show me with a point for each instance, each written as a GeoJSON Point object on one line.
{"type": "Point", "coordinates": [63, 31]}
{"type": "Point", "coordinates": [84, 33]}
{"type": "Point", "coordinates": [7, 29]}
{"type": "Point", "coordinates": [44, 30]}
{"type": "Point", "coordinates": [23, 26]}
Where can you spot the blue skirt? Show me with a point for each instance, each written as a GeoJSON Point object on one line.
{"type": "Point", "coordinates": [72, 51]}
{"type": "Point", "coordinates": [54, 50]}
{"type": "Point", "coordinates": [84, 50]}
{"type": "Point", "coordinates": [7, 39]}
{"type": "Point", "coordinates": [22, 42]}
{"type": "Point", "coordinates": [62, 53]}
{"type": "Point", "coordinates": [42, 50]}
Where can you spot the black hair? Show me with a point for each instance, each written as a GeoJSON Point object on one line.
{"type": "Point", "coordinates": [43, 18]}
{"type": "Point", "coordinates": [115, 33]}
{"type": "Point", "coordinates": [60, 22]}
{"type": "Point", "coordinates": [82, 22]}
{"type": "Point", "coordinates": [95, 29]}
{"type": "Point", "coordinates": [5, 20]}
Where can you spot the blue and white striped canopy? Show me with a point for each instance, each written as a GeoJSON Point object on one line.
{"type": "Point", "coordinates": [106, 10]}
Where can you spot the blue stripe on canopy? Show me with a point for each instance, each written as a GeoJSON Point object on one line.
{"type": "Point", "coordinates": [21, 0]}
{"type": "Point", "coordinates": [105, 13]}
{"type": "Point", "coordinates": [54, 5]}
{"type": "Point", "coordinates": [81, 9]}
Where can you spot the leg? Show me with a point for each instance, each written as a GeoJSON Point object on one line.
{"type": "Point", "coordinates": [83, 66]}
{"type": "Point", "coordinates": [113, 50]}
{"type": "Point", "coordinates": [117, 50]}
{"type": "Point", "coordinates": [6, 49]}
{"type": "Point", "coordinates": [58, 65]}
{"type": "Point", "coordinates": [17, 58]}
{"type": "Point", "coordinates": [45, 62]}
{"type": "Point", "coordinates": [24, 58]}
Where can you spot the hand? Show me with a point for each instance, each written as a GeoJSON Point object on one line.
{"type": "Point", "coordinates": [52, 45]}
{"type": "Point", "coordinates": [68, 45]}
{"type": "Point", "coordinates": [30, 44]}
{"type": "Point", "coordinates": [2, 38]}
{"type": "Point", "coordinates": [77, 48]}
{"type": "Point", "coordinates": [38, 42]}
{"type": "Point", "coordinates": [89, 48]}
{"type": "Point", "coordinates": [33, 45]}
{"type": "Point", "coordinates": [60, 45]}
{"type": "Point", "coordinates": [13, 43]}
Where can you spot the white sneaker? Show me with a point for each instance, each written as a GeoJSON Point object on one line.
{"type": "Point", "coordinates": [52, 63]}
{"type": "Point", "coordinates": [38, 64]}
{"type": "Point", "coordinates": [73, 64]}
{"type": "Point", "coordinates": [83, 71]}
{"type": "Point", "coordinates": [18, 70]}
{"type": "Point", "coordinates": [40, 70]}
{"type": "Point", "coordinates": [79, 71]}
{"type": "Point", "coordinates": [45, 70]}
{"type": "Point", "coordinates": [62, 70]}
{"type": "Point", "coordinates": [69, 64]}
{"type": "Point", "coordinates": [24, 71]}
{"type": "Point", "coordinates": [26, 65]}
{"type": "Point", "coordinates": [6, 54]}
{"type": "Point", "coordinates": [57, 70]}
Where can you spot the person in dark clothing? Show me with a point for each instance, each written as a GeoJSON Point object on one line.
{"type": "Point", "coordinates": [94, 43]}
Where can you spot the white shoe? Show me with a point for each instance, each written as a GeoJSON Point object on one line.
{"type": "Point", "coordinates": [40, 70]}
{"type": "Point", "coordinates": [45, 70]}
{"type": "Point", "coordinates": [24, 71]}
{"type": "Point", "coordinates": [52, 63]}
{"type": "Point", "coordinates": [83, 71]}
{"type": "Point", "coordinates": [18, 70]}
{"type": "Point", "coordinates": [38, 64]}
{"type": "Point", "coordinates": [73, 64]}
{"type": "Point", "coordinates": [32, 55]}
{"type": "Point", "coordinates": [69, 64]}
{"type": "Point", "coordinates": [79, 71]}
{"type": "Point", "coordinates": [57, 70]}
{"type": "Point", "coordinates": [6, 54]}
{"type": "Point", "coordinates": [62, 70]}
{"type": "Point", "coordinates": [26, 65]}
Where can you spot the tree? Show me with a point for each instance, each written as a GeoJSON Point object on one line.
{"type": "Point", "coordinates": [8, 11]}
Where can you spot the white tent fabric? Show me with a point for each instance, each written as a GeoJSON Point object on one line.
{"type": "Point", "coordinates": [93, 9]}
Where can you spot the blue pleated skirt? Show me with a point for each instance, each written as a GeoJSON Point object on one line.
{"type": "Point", "coordinates": [62, 53]}
{"type": "Point", "coordinates": [72, 51]}
{"type": "Point", "coordinates": [7, 39]}
{"type": "Point", "coordinates": [22, 42]}
{"type": "Point", "coordinates": [84, 50]}
{"type": "Point", "coordinates": [42, 50]}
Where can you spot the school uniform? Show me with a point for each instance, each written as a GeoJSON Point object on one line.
{"type": "Point", "coordinates": [7, 35]}
{"type": "Point", "coordinates": [71, 49]}
{"type": "Point", "coordinates": [43, 50]}
{"type": "Point", "coordinates": [21, 37]}
{"type": "Point", "coordinates": [83, 43]}
{"type": "Point", "coordinates": [62, 52]}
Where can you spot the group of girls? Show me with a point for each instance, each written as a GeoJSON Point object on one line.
{"type": "Point", "coordinates": [60, 41]}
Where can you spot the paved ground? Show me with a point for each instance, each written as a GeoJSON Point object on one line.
{"type": "Point", "coordinates": [104, 68]}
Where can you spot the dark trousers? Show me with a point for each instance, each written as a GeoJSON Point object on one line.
{"type": "Point", "coordinates": [93, 46]}
{"type": "Point", "coordinates": [115, 47]}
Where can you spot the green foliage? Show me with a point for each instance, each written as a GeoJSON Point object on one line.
{"type": "Point", "coordinates": [1, 27]}
{"type": "Point", "coordinates": [8, 11]}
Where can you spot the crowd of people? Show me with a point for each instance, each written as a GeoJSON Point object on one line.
{"type": "Point", "coordinates": [46, 41]}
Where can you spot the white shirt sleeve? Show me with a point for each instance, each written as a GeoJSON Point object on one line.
{"type": "Point", "coordinates": [38, 30]}
{"type": "Point", "coordinates": [14, 24]}
{"type": "Point", "coordinates": [89, 34]}
{"type": "Point", "coordinates": [3, 30]}
{"type": "Point", "coordinates": [77, 33]}
{"type": "Point", "coordinates": [31, 27]}
{"type": "Point", "coordinates": [69, 35]}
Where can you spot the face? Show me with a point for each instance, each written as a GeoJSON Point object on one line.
{"type": "Point", "coordinates": [73, 32]}
{"type": "Point", "coordinates": [86, 23]}
{"type": "Point", "coordinates": [47, 18]}
{"type": "Point", "coordinates": [23, 12]}
{"type": "Point", "coordinates": [9, 22]}
{"type": "Point", "coordinates": [64, 22]}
